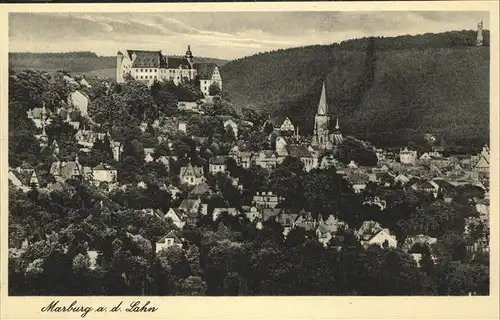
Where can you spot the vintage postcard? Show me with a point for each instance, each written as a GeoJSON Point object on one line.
{"type": "Point", "coordinates": [243, 161]}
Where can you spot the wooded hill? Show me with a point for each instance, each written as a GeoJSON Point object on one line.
{"type": "Point", "coordinates": [88, 63]}
{"type": "Point", "coordinates": [388, 91]}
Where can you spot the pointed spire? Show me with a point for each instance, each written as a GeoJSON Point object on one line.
{"type": "Point", "coordinates": [322, 107]}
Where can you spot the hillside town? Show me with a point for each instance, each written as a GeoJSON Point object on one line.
{"type": "Point", "coordinates": [159, 171]}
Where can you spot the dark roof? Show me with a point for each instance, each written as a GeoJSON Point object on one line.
{"type": "Point", "coordinates": [218, 160]}
{"type": "Point", "coordinates": [147, 59]}
{"type": "Point", "coordinates": [205, 70]}
{"type": "Point", "coordinates": [175, 63]}
{"type": "Point", "coordinates": [200, 190]}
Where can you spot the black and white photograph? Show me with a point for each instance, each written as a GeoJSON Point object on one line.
{"type": "Point", "coordinates": [277, 153]}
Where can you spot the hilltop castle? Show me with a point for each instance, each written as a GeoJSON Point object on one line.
{"type": "Point", "coordinates": [322, 137]}
{"type": "Point", "coordinates": [148, 66]}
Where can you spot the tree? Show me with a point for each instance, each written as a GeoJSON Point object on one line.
{"type": "Point", "coordinates": [214, 89]}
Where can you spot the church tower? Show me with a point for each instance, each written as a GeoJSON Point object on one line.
{"type": "Point", "coordinates": [321, 137]}
{"type": "Point", "coordinates": [479, 40]}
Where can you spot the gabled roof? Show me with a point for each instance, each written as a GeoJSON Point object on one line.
{"type": "Point", "coordinates": [200, 189]}
{"type": "Point", "coordinates": [176, 62]}
{"type": "Point", "coordinates": [191, 171]}
{"type": "Point", "coordinates": [170, 235]}
{"type": "Point", "coordinates": [218, 160]}
{"type": "Point", "coordinates": [187, 204]}
{"type": "Point", "coordinates": [205, 70]}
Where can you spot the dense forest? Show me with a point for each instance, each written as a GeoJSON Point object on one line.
{"type": "Point", "coordinates": [75, 62]}
{"type": "Point", "coordinates": [388, 91]}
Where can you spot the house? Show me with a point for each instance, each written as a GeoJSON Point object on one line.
{"type": "Point", "coordinates": [381, 238]}
{"type": "Point", "coordinates": [231, 125]}
{"type": "Point", "coordinates": [193, 206]}
{"type": "Point", "coordinates": [164, 161]}
{"type": "Point", "coordinates": [264, 200]}
{"type": "Point", "coordinates": [483, 207]}
{"type": "Point", "coordinates": [39, 116]}
{"type": "Point", "coordinates": [407, 156]}
{"type": "Point", "coordinates": [79, 101]}
{"type": "Point", "coordinates": [245, 160]}
{"type": "Point", "coordinates": [402, 179]}
{"type": "Point", "coordinates": [268, 213]}
{"type": "Point", "coordinates": [266, 159]}
{"type": "Point", "coordinates": [358, 181]}
{"type": "Point", "coordinates": [191, 175]}
{"type": "Point", "coordinates": [282, 125]}
{"type": "Point", "coordinates": [217, 164]}
{"type": "Point", "coordinates": [418, 240]}
{"type": "Point", "coordinates": [305, 221]}
{"type": "Point", "coordinates": [170, 240]}
{"type": "Point", "coordinates": [252, 213]}
{"type": "Point", "coordinates": [326, 230]}
{"type": "Point", "coordinates": [177, 217]}
{"type": "Point", "coordinates": [301, 152]}
{"type": "Point", "coordinates": [218, 211]}
{"type": "Point", "coordinates": [200, 190]}
{"type": "Point", "coordinates": [208, 75]}
{"type": "Point", "coordinates": [23, 180]}
{"type": "Point", "coordinates": [426, 186]}
{"type": "Point", "coordinates": [149, 154]}
{"type": "Point", "coordinates": [425, 157]}
{"type": "Point", "coordinates": [104, 173]}
{"type": "Point", "coordinates": [62, 170]}
{"type": "Point", "coordinates": [188, 106]}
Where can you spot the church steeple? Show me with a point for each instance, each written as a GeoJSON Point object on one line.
{"type": "Point", "coordinates": [322, 106]}
{"type": "Point", "coordinates": [189, 55]}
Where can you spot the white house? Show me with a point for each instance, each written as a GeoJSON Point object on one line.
{"type": "Point", "coordinates": [79, 101]}
{"type": "Point", "coordinates": [381, 238]}
{"type": "Point", "coordinates": [217, 164]}
{"type": "Point", "coordinates": [407, 156]}
{"type": "Point", "coordinates": [191, 175]}
{"type": "Point", "coordinates": [170, 240]}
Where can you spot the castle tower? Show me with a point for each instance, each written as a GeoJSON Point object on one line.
{"type": "Point", "coordinates": [189, 55]}
{"type": "Point", "coordinates": [321, 136]}
{"type": "Point", "coordinates": [479, 39]}
{"type": "Point", "coordinates": [119, 72]}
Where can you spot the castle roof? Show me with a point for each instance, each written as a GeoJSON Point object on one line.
{"type": "Point", "coordinates": [205, 70]}
{"type": "Point", "coordinates": [175, 63]}
{"type": "Point", "coordinates": [147, 59]}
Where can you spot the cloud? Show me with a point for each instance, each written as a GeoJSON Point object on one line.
{"type": "Point", "coordinates": [219, 34]}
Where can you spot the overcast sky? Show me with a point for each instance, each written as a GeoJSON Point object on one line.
{"type": "Point", "coordinates": [226, 35]}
